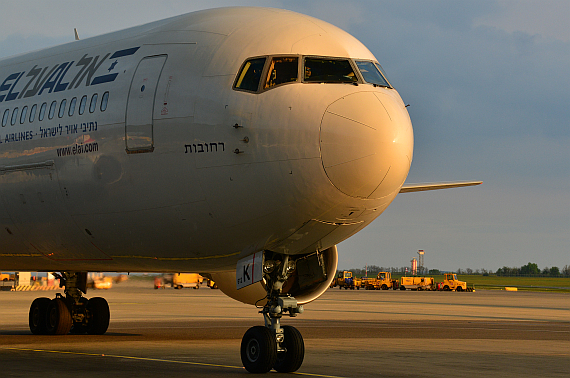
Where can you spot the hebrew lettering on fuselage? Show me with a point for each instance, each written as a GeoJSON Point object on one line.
{"type": "Point", "coordinates": [198, 148]}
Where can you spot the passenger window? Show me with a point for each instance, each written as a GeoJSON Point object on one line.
{"type": "Point", "coordinates": [24, 114]}
{"type": "Point", "coordinates": [52, 107]}
{"type": "Point", "coordinates": [93, 104]}
{"type": "Point", "coordinates": [62, 108]}
{"type": "Point", "coordinates": [82, 105]}
{"type": "Point", "coordinates": [5, 117]}
{"type": "Point", "coordinates": [33, 112]}
{"type": "Point", "coordinates": [282, 70]}
{"type": "Point", "coordinates": [14, 116]}
{"type": "Point", "coordinates": [250, 75]}
{"type": "Point", "coordinates": [319, 70]}
{"type": "Point", "coordinates": [104, 101]}
{"type": "Point", "coordinates": [72, 106]}
{"type": "Point", "coordinates": [42, 112]}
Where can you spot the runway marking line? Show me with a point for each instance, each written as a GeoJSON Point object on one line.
{"type": "Point", "coordinates": [150, 359]}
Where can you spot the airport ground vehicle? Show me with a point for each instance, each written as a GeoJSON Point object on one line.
{"type": "Point", "coordinates": [101, 281]}
{"type": "Point", "coordinates": [158, 282]}
{"type": "Point", "coordinates": [211, 284]}
{"type": "Point", "coordinates": [451, 283]}
{"type": "Point", "coordinates": [345, 279]}
{"type": "Point", "coordinates": [382, 281]}
{"type": "Point", "coordinates": [6, 281]}
{"type": "Point", "coordinates": [182, 280]}
{"type": "Point", "coordinates": [7, 277]}
{"type": "Point", "coordinates": [417, 283]}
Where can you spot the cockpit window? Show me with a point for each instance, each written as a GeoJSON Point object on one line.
{"type": "Point", "coordinates": [282, 70]}
{"type": "Point", "coordinates": [372, 73]}
{"type": "Point", "coordinates": [323, 70]}
{"type": "Point", "coordinates": [250, 75]}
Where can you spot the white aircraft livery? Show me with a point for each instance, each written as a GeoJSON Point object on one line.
{"type": "Point", "coordinates": [241, 143]}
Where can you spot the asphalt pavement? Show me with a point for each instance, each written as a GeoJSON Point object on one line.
{"type": "Point", "coordinates": [197, 333]}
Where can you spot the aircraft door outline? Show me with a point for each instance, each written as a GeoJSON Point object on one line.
{"type": "Point", "coordinates": [140, 105]}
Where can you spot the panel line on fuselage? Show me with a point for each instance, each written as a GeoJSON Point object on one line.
{"type": "Point", "coordinates": [177, 258]}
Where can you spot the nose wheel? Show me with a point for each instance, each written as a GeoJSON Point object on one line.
{"type": "Point", "coordinates": [291, 358]}
{"type": "Point", "coordinates": [258, 350]}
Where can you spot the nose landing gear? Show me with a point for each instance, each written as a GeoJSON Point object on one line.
{"type": "Point", "coordinates": [273, 346]}
{"type": "Point", "coordinates": [70, 313]}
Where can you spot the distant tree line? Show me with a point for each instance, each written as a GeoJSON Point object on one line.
{"type": "Point", "coordinates": [528, 270]}
{"type": "Point", "coordinates": [531, 269]}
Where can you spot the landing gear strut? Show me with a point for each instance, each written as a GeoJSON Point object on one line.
{"type": "Point", "coordinates": [273, 346]}
{"type": "Point", "coordinates": [70, 313]}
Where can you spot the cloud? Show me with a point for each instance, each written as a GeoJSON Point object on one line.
{"type": "Point", "coordinates": [547, 18]}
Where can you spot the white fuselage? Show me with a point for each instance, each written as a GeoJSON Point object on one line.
{"type": "Point", "coordinates": [180, 171]}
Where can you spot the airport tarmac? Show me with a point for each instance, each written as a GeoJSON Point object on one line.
{"type": "Point", "coordinates": [197, 333]}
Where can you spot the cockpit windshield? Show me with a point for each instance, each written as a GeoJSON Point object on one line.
{"type": "Point", "coordinates": [325, 70]}
{"type": "Point", "coordinates": [250, 74]}
{"type": "Point", "coordinates": [372, 73]}
{"type": "Point", "coordinates": [282, 70]}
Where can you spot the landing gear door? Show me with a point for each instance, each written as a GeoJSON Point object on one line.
{"type": "Point", "coordinates": [140, 105]}
{"type": "Point", "coordinates": [249, 270]}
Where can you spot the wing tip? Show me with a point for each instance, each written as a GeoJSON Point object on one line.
{"type": "Point", "coordinates": [436, 186]}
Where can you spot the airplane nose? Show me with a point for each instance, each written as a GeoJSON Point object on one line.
{"type": "Point", "coordinates": [367, 144]}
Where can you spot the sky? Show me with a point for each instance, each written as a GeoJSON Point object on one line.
{"type": "Point", "coordinates": [488, 86]}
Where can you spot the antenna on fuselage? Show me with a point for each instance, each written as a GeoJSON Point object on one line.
{"type": "Point", "coordinates": [76, 34]}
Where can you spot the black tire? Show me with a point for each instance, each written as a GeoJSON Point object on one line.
{"type": "Point", "coordinates": [384, 287]}
{"type": "Point", "coordinates": [446, 288]}
{"type": "Point", "coordinates": [37, 316]}
{"type": "Point", "coordinates": [292, 359]}
{"type": "Point", "coordinates": [58, 318]}
{"type": "Point", "coordinates": [258, 350]}
{"type": "Point", "coordinates": [402, 288]}
{"type": "Point", "coordinates": [98, 316]}
{"type": "Point", "coordinates": [459, 288]}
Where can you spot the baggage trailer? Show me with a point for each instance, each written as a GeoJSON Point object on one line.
{"type": "Point", "coordinates": [417, 283]}
{"type": "Point", "coordinates": [182, 280]}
